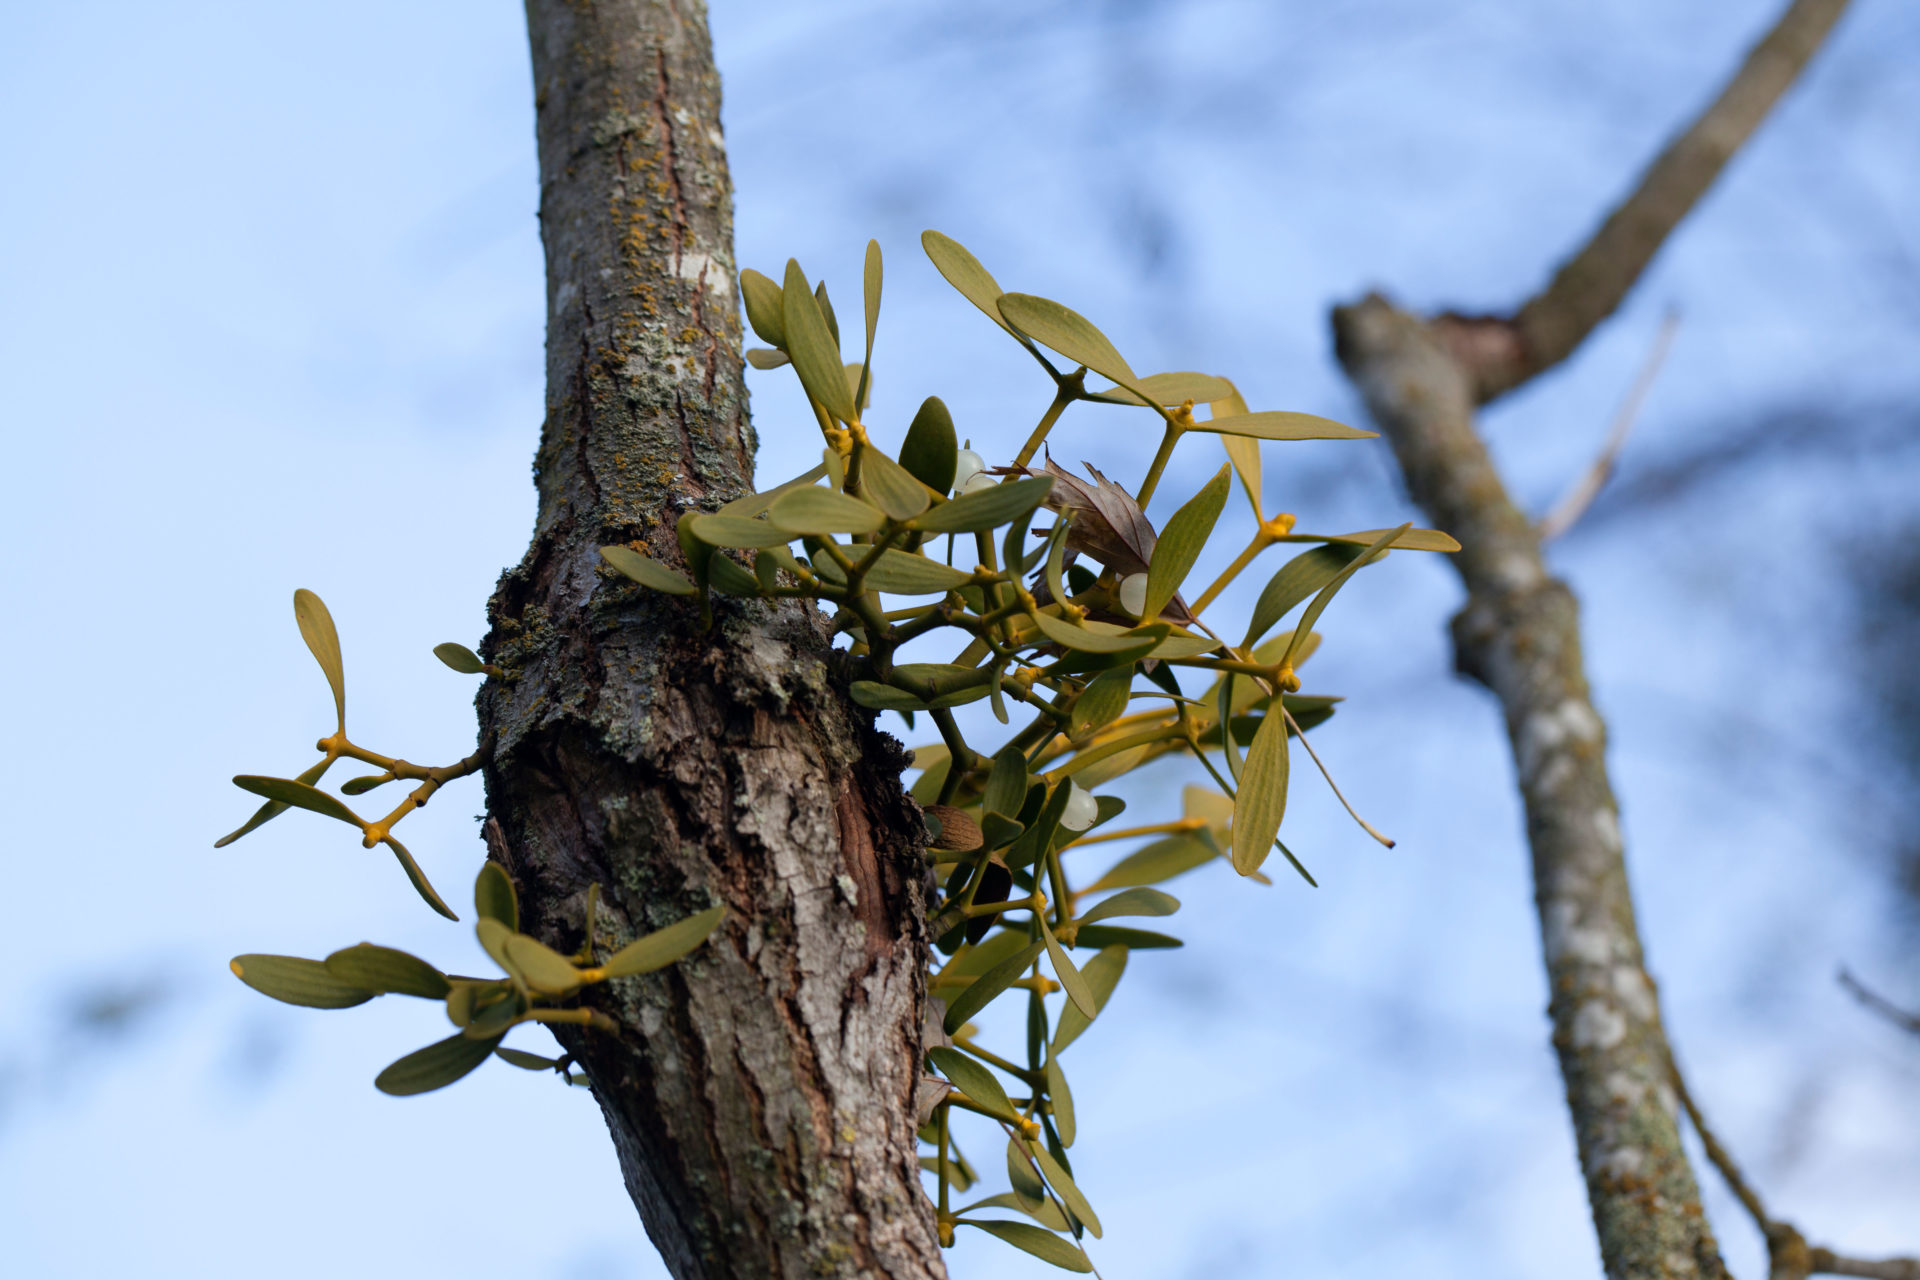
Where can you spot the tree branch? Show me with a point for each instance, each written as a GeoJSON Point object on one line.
{"type": "Point", "coordinates": [1503, 352]}
{"type": "Point", "coordinates": [1574, 503]}
{"type": "Point", "coordinates": [1789, 1256]}
{"type": "Point", "coordinates": [1880, 1004]}
{"type": "Point", "coordinates": [1519, 635]}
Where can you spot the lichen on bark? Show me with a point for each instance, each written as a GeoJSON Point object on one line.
{"type": "Point", "coordinates": [759, 1093]}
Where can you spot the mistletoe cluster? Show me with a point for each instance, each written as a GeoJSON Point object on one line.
{"type": "Point", "coordinates": [1062, 607]}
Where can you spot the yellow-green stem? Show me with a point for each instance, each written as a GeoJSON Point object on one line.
{"type": "Point", "coordinates": [1261, 541]}
{"type": "Point", "coordinates": [1152, 481]}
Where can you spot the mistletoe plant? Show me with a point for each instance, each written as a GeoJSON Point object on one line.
{"type": "Point", "coordinates": [1064, 607]}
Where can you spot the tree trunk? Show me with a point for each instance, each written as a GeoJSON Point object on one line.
{"type": "Point", "coordinates": [760, 1093]}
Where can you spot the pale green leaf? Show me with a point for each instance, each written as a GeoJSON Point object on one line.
{"type": "Point", "coordinates": [299, 795]}
{"type": "Point", "coordinates": [826, 312]}
{"type": "Point", "coordinates": [989, 984]}
{"type": "Point", "coordinates": [1182, 541]}
{"type": "Point", "coordinates": [870, 281]}
{"type": "Point", "coordinates": [435, 1066]}
{"type": "Point", "coordinates": [1133, 902]}
{"type": "Point", "coordinates": [1006, 789]}
{"type": "Point", "coordinates": [1062, 1099]}
{"type": "Point", "coordinates": [753, 504]}
{"type": "Point", "coordinates": [736, 531]}
{"type": "Point", "coordinates": [1103, 701]}
{"type": "Point", "coordinates": [930, 451]}
{"type": "Point", "coordinates": [811, 344]}
{"type": "Point", "coordinates": [1410, 539]}
{"type": "Point", "coordinates": [974, 1080]}
{"type": "Point", "coordinates": [1078, 991]}
{"type": "Point", "coordinates": [1261, 801]}
{"type": "Point", "coordinates": [816, 511]}
{"type": "Point", "coordinates": [986, 508]}
{"type": "Point", "coordinates": [293, 980]}
{"type": "Point", "coordinates": [884, 697]}
{"type": "Point", "coordinates": [1046, 1212]}
{"type": "Point", "coordinates": [1320, 601]}
{"type": "Point", "coordinates": [764, 307]}
{"type": "Point", "coordinates": [1043, 1245]}
{"type": "Point", "coordinates": [493, 1020]}
{"type": "Point", "coordinates": [493, 935]}
{"type": "Point", "coordinates": [727, 575]}
{"type": "Point", "coordinates": [964, 272]}
{"type": "Point", "coordinates": [525, 1061]}
{"type": "Point", "coordinates": [494, 897]}
{"type": "Point", "coordinates": [460, 658]}
{"type": "Point", "coordinates": [1069, 333]}
{"type": "Point", "coordinates": [1102, 975]}
{"type": "Point", "coordinates": [649, 572]}
{"type": "Point", "coordinates": [1029, 1192]}
{"type": "Point", "coordinates": [1171, 389]}
{"type": "Point", "coordinates": [323, 640]}
{"type": "Point", "coordinates": [384, 971]}
{"type": "Point", "coordinates": [1113, 935]}
{"type": "Point", "coordinates": [908, 573]}
{"type": "Point", "coordinates": [418, 878]}
{"type": "Point", "coordinates": [1088, 637]}
{"type": "Point", "coordinates": [661, 948]}
{"type": "Point", "coordinates": [982, 957]}
{"type": "Point", "coordinates": [1295, 580]}
{"type": "Point", "coordinates": [1162, 860]}
{"type": "Point", "coordinates": [1062, 1183]}
{"type": "Point", "coordinates": [1276, 424]}
{"type": "Point", "coordinates": [545, 970]}
{"type": "Point", "coordinates": [890, 486]}
{"type": "Point", "coordinates": [1183, 644]}
{"type": "Point", "coordinates": [273, 808]}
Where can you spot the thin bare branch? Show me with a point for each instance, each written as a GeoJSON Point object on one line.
{"type": "Point", "coordinates": [1501, 353]}
{"type": "Point", "coordinates": [1574, 503]}
{"type": "Point", "coordinates": [1827, 1262]}
{"type": "Point", "coordinates": [1880, 1004]}
{"type": "Point", "coordinates": [1722, 1158]}
{"type": "Point", "coordinates": [1789, 1256]}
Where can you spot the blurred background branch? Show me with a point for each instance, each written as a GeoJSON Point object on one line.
{"type": "Point", "coordinates": [1519, 635]}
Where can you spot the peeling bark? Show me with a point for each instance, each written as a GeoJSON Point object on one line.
{"type": "Point", "coordinates": [760, 1093]}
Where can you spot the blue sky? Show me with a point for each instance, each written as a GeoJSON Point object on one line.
{"type": "Point", "coordinates": [270, 316]}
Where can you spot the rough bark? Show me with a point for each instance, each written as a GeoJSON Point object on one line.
{"type": "Point", "coordinates": [760, 1093]}
{"type": "Point", "coordinates": [1519, 634]}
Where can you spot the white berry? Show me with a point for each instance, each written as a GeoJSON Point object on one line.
{"type": "Point", "coordinates": [1133, 593]}
{"type": "Point", "coordinates": [1081, 808]}
{"type": "Point", "coordinates": [967, 464]}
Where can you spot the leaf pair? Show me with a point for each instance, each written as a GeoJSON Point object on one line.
{"type": "Point", "coordinates": [799, 321]}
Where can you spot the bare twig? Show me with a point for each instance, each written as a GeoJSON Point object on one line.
{"type": "Point", "coordinates": [1880, 1004]}
{"type": "Point", "coordinates": [1574, 503]}
{"type": "Point", "coordinates": [1501, 353]}
{"type": "Point", "coordinates": [1789, 1256]}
